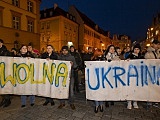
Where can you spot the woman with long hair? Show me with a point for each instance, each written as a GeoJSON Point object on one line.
{"type": "Point", "coordinates": [23, 52]}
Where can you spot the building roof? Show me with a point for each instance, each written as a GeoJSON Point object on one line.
{"type": "Point", "coordinates": [90, 23]}
{"type": "Point", "coordinates": [53, 12]}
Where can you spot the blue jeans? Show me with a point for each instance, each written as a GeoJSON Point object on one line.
{"type": "Point", "coordinates": [98, 103]}
{"type": "Point", "coordinates": [23, 99]}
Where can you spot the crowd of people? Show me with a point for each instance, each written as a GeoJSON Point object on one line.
{"type": "Point", "coordinates": [77, 62]}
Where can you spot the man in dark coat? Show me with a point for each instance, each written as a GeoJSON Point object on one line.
{"type": "Point", "coordinates": [79, 65]}
{"type": "Point", "coordinates": [88, 56]}
{"type": "Point", "coordinates": [66, 56]}
{"type": "Point", "coordinates": [49, 55]}
{"type": "Point", "coordinates": [4, 52]}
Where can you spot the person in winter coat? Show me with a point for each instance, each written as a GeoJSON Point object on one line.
{"type": "Point", "coordinates": [66, 56]}
{"type": "Point", "coordinates": [152, 51]}
{"type": "Point", "coordinates": [136, 54]}
{"type": "Point", "coordinates": [49, 55]}
{"type": "Point", "coordinates": [128, 51]}
{"type": "Point", "coordinates": [23, 52]}
{"type": "Point", "coordinates": [98, 56]}
{"type": "Point", "coordinates": [119, 53]}
{"type": "Point", "coordinates": [3, 49]}
{"type": "Point", "coordinates": [5, 98]}
{"type": "Point", "coordinates": [88, 55]}
{"type": "Point", "coordinates": [110, 55]}
{"type": "Point", "coordinates": [79, 65]}
{"type": "Point", "coordinates": [30, 49]}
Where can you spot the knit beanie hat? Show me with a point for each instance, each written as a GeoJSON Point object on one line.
{"type": "Point", "coordinates": [137, 46]}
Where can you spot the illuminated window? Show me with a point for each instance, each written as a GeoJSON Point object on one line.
{"type": "Point", "coordinates": [30, 6]}
{"type": "Point", "coordinates": [30, 26]}
{"type": "Point", "coordinates": [16, 22]}
{"type": "Point", "coordinates": [15, 3]}
{"type": "Point", "coordinates": [157, 31]}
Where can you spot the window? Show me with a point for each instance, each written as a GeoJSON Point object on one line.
{"type": "Point", "coordinates": [43, 37]}
{"type": "Point", "coordinates": [16, 19]}
{"type": "Point", "coordinates": [30, 26]}
{"type": "Point", "coordinates": [16, 22]}
{"type": "Point", "coordinates": [1, 15]}
{"type": "Point", "coordinates": [45, 14]}
{"type": "Point", "coordinates": [30, 6]}
{"type": "Point", "coordinates": [74, 19]}
{"type": "Point", "coordinates": [15, 3]}
{"type": "Point", "coordinates": [51, 13]}
{"type": "Point", "coordinates": [48, 36]}
{"type": "Point", "coordinates": [48, 25]}
{"type": "Point", "coordinates": [71, 17]}
{"type": "Point", "coordinates": [65, 26]}
{"type": "Point", "coordinates": [42, 25]}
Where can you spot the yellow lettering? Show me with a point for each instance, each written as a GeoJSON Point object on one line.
{"type": "Point", "coordinates": [32, 76]}
{"type": "Point", "coordinates": [62, 71]}
{"type": "Point", "coordinates": [4, 80]}
{"type": "Point", "coordinates": [26, 74]}
{"type": "Point", "coordinates": [47, 73]}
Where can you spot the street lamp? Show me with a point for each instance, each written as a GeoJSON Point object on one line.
{"type": "Point", "coordinates": [148, 45]}
{"type": "Point", "coordinates": [70, 43]}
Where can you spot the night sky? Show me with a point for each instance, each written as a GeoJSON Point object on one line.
{"type": "Point", "coordinates": [129, 17]}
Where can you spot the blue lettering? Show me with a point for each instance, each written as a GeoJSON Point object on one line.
{"type": "Point", "coordinates": [158, 76]}
{"type": "Point", "coordinates": [117, 76]}
{"type": "Point", "coordinates": [132, 75]}
{"type": "Point", "coordinates": [142, 69]}
{"type": "Point", "coordinates": [104, 78]}
{"type": "Point", "coordinates": [98, 81]}
{"type": "Point", "coordinates": [152, 76]}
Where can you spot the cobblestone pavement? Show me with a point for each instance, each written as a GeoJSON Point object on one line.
{"type": "Point", "coordinates": [84, 111]}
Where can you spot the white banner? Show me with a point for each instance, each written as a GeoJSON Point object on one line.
{"type": "Point", "coordinates": [24, 76]}
{"type": "Point", "coordinates": [123, 80]}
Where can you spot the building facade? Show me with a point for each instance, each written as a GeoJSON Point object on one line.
{"type": "Point", "coordinates": [19, 22]}
{"type": "Point", "coordinates": [154, 30]}
{"type": "Point", "coordinates": [90, 34]}
{"type": "Point", "coordinates": [58, 28]}
{"type": "Point", "coordinates": [121, 41]}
